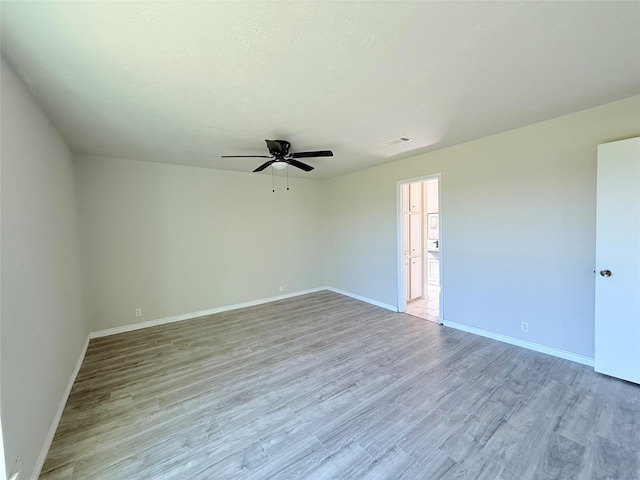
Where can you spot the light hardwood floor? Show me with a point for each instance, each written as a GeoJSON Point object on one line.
{"type": "Point", "coordinates": [326, 387]}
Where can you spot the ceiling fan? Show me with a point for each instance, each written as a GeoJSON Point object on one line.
{"type": "Point", "coordinates": [280, 157]}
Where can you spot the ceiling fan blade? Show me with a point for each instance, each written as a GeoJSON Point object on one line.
{"type": "Point", "coordinates": [264, 165]}
{"type": "Point", "coordinates": [245, 156]}
{"type": "Point", "coordinates": [319, 153]}
{"type": "Point", "coordinates": [303, 166]}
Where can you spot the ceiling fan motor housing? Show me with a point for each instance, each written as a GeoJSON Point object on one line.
{"type": "Point", "coordinates": [278, 148]}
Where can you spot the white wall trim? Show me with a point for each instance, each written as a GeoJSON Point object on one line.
{"type": "Point", "coordinates": [556, 352]}
{"type": "Point", "coordinates": [126, 328]}
{"type": "Point", "coordinates": [3, 469]}
{"type": "Point", "coordinates": [201, 313]}
{"type": "Point", "coordinates": [393, 308]}
{"type": "Point", "coordinates": [186, 316]}
{"type": "Point", "coordinates": [56, 419]}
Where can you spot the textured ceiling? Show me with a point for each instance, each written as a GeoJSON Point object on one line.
{"type": "Point", "coordinates": [186, 82]}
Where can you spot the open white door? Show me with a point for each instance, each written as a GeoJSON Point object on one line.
{"type": "Point", "coordinates": [617, 326]}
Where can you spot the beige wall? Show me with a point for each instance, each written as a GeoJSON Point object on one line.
{"type": "Point", "coordinates": [532, 188]}
{"type": "Point", "coordinates": [42, 329]}
{"type": "Point", "coordinates": [173, 240]}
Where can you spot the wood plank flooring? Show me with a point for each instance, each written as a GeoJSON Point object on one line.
{"type": "Point", "coordinates": [326, 387]}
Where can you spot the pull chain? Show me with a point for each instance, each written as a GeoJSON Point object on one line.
{"type": "Point", "coordinates": [273, 182]}
{"type": "Point", "coordinates": [287, 176]}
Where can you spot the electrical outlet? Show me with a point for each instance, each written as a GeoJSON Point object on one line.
{"type": "Point", "coordinates": [281, 288]}
{"type": "Point", "coordinates": [284, 287]}
{"type": "Point", "coordinates": [138, 312]}
{"type": "Point", "coordinates": [524, 326]}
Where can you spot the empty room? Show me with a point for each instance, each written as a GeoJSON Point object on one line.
{"type": "Point", "coordinates": [320, 240]}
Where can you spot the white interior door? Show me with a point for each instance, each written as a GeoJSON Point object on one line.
{"type": "Point", "coordinates": [617, 326]}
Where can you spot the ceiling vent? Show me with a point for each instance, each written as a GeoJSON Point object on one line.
{"type": "Point", "coordinates": [397, 141]}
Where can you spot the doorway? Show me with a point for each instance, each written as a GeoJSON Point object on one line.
{"type": "Point", "coordinates": [420, 253]}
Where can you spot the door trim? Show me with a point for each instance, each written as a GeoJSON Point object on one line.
{"type": "Point", "coordinates": [402, 302]}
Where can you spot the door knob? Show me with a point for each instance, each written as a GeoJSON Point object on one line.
{"type": "Point", "coordinates": [605, 273]}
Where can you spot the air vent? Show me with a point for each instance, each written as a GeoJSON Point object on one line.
{"type": "Point", "coordinates": [397, 141]}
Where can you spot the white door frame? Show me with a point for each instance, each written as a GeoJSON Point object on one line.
{"type": "Point", "coordinates": [402, 301]}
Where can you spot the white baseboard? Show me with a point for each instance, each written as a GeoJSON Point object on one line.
{"type": "Point", "coordinates": [201, 313]}
{"type": "Point", "coordinates": [161, 321]}
{"type": "Point", "coordinates": [226, 308]}
{"type": "Point", "coordinates": [556, 352]}
{"type": "Point", "coordinates": [393, 308]}
{"type": "Point", "coordinates": [185, 316]}
{"type": "Point", "coordinates": [56, 419]}
{"type": "Point", "coordinates": [126, 328]}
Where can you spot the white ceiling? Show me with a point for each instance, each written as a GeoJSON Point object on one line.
{"type": "Point", "coordinates": [186, 82]}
